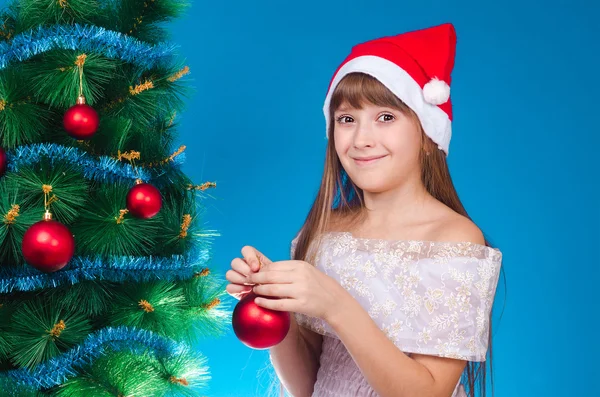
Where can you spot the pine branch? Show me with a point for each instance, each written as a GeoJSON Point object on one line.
{"type": "Point", "coordinates": [117, 373]}
{"type": "Point", "coordinates": [101, 230]}
{"type": "Point", "coordinates": [177, 237]}
{"type": "Point", "coordinates": [15, 219]}
{"type": "Point", "coordinates": [91, 298]}
{"type": "Point", "coordinates": [144, 95]}
{"type": "Point", "coordinates": [11, 388]}
{"type": "Point", "coordinates": [68, 190]}
{"type": "Point", "coordinates": [123, 373]}
{"type": "Point", "coordinates": [33, 13]}
{"type": "Point", "coordinates": [21, 120]}
{"type": "Point", "coordinates": [185, 374]}
{"type": "Point", "coordinates": [55, 77]}
{"type": "Point", "coordinates": [141, 18]}
{"type": "Point", "coordinates": [6, 312]}
{"type": "Point", "coordinates": [208, 314]}
{"type": "Point", "coordinates": [41, 329]}
{"type": "Point", "coordinates": [158, 307]}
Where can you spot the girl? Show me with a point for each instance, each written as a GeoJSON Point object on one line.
{"type": "Point", "coordinates": [391, 284]}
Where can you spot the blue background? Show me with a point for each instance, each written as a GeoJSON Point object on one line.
{"type": "Point", "coordinates": [523, 156]}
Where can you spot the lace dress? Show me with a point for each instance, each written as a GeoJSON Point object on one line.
{"type": "Point", "coordinates": [427, 297]}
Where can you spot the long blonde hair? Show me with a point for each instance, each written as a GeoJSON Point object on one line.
{"type": "Point", "coordinates": [339, 198]}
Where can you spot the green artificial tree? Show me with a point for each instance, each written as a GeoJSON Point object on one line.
{"type": "Point", "coordinates": [105, 283]}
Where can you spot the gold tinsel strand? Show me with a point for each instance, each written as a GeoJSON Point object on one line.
{"type": "Point", "coordinates": [130, 155]}
{"type": "Point", "coordinates": [205, 272]}
{"type": "Point", "coordinates": [146, 306]}
{"type": "Point", "coordinates": [170, 158]}
{"type": "Point", "coordinates": [58, 328]}
{"type": "Point", "coordinates": [212, 304]}
{"type": "Point", "coordinates": [12, 214]}
{"type": "Point", "coordinates": [175, 154]}
{"type": "Point", "coordinates": [6, 32]}
{"type": "Point", "coordinates": [80, 60]}
{"type": "Point", "coordinates": [181, 381]}
{"type": "Point", "coordinates": [139, 20]}
{"type": "Point", "coordinates": [2, 104]}
{"type": "Point", "coordinates": [52, 199]}
{"type": "Point", "coordinates": [62, 3]}
{"type": "Point", "coordinates": [204, 186]}
{"type": "Point", "coordinates": [185, 225]}
{"type": "Point", "coordinates": [138, 89]}
{"type": "Point", "coordinates": [176, 76]}
{"type": "Point", "coordinates": [121, 216]}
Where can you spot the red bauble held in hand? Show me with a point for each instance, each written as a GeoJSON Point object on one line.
{"type": "Point", "coordinates": [81, 121]}
{"type": "Point", "coordinates": [257, 327]}
{"type": "Point", "coordinates": [3, 161]}
{"type": "Point", "coordinates": [144, 200]}
{"type": "Point", "coordinates": [48, 245]}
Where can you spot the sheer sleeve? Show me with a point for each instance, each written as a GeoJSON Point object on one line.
{"type": "Point", "coordinates": [427, 298]}
{"type": "Point", "coordinates": [443, 309]}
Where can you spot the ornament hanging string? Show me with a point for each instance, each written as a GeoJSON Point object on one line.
{"type": "Point", "coordinates": [47, 189]}
{"type": "Point", "coordinates": [79, 62]}
{"type": "Point", "coordinates": [130, 156]}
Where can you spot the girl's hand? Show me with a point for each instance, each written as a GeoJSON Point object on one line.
{"type": "Point", "coordinates": [301, 288]}
{"type": "Point", "coordinates": [241, 268]}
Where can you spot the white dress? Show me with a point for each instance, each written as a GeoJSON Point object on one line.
{"type": "Point", "coordinates": [427, 297]}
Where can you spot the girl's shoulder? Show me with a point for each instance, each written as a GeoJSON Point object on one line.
{"type": "Point", "coordinates": [456, 228]}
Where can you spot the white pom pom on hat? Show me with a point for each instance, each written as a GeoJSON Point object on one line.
{"type": "Point", "coordinates": [416, 66]}
{"type": "Point", "coordinates": [436, 91]}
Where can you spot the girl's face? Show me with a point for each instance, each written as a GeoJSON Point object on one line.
{"type": "Point", "coordinates": [378, 146]}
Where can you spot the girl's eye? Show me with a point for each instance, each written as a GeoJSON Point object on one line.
{"type": "Point", "coordinates": [344, 119]}
{"type": "Point", "coordinates": [386, 117]}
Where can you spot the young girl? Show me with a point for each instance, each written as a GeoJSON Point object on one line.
{"type": "Point", "coordinates": [391, 284]}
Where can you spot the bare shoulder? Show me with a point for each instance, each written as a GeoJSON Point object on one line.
{"type": "Point", "coordinates": [458, 228]}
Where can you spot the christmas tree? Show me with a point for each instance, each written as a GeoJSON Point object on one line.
{"type": "Point", "coordinates": [104, 260]}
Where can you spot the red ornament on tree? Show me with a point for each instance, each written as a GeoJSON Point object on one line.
{"type": "Point", "coordinates": [144, 200]}
{"type": "Point", "coordinates": [258, 327]}
{"type": "Point", "coordinates": [48, 245]}
{"type": "Point", "coordinates": [3, 161]}
{"type": "Point", "coordinates": [81, 121]}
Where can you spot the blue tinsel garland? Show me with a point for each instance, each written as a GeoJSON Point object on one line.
{"type": "Point", "coordinates": [58, 369]}
{"type": "Point", "coordinates": [101, 169]}
{"type": "Point", "coordinates": [84, 38]}
{"type": "Point", "coordinates": [117, 269]}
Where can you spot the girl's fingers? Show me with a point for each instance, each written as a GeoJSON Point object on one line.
{"type": "Point", "coordinates": [272, 277]}
{"type": "Point", "coordinates": [240, 266]}
{"type": "Point", "coordinates": [236, 278]}
{"type": "Point", "coordinates": [284, 305]}
{"type": "Point", "coordinates": [276, 290]}
{"type": "Point", "coordinates": [254, 258]}
{"type": "Point", "coordinates": [237, 291]}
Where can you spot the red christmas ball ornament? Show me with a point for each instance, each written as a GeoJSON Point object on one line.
{"type": "Point", "coordinates": [81, 121]}
{"type": "Point", "coordinates": [258, 327]}
{"type": "Point", "coordinates": [48, 245]}
{"type": "Point", "coordinates": [3, 161]}
{"type": "Point", "coordinates": [144, 200]}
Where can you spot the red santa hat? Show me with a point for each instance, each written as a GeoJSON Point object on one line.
{"type": "Point", "coordinates": [415, 66]}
